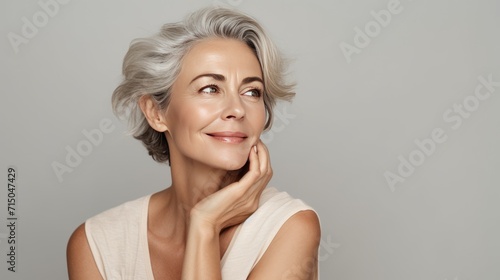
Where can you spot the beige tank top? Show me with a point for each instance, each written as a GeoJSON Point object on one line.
{"type": "Point", "coordinates": [118, 237]}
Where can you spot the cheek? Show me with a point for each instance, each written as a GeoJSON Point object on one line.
{"type": "Point", "coordinates": [256, 121]}
{"type": "Point", "coordinates": [185, 116]}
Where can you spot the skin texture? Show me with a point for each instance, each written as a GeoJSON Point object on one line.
{"type": "Point", "coordinates": [191, 223]}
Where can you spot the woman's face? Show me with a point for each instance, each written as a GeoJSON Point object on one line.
{"type": "Point", "coordinates": [216, 111]}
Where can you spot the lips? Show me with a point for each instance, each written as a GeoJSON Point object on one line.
{"type": "Point", "coordinates": [228, 136]}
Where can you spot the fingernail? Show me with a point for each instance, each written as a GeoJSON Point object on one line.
{"type": "Point", "coordinates": [255, 148]}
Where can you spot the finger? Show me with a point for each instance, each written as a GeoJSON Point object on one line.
{"type": "Point", "coordinates": [257, 173]}
{"type": "Point", "coordinates": [253, 173]}
{"type": "Point", "coordinates": [266, 168]}
{"type": "Point", "coordinates": [264, 158]}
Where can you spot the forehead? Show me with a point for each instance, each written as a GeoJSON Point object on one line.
{"type": "Point", "coordinates": [222, 56]}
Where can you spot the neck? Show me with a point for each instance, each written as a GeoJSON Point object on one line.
{"type": "Point", "coordinates": [191, 183]}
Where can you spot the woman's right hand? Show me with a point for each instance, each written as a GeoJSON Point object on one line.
{"type": "Point", "coordinates": [236, 202]}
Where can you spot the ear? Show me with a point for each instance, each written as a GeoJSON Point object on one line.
{"type": "Point", "coordinates": [152, 113]}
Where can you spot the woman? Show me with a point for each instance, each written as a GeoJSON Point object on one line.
{"type": "Point", "coordinates": [198, 95]}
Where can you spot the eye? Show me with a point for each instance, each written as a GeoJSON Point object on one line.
{"type": "Point", "coordinates": [210, 89]}
{"type": "Point", "coordinates": [254, 92]}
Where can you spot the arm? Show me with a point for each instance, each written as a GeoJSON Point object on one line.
{"type": "Point", "coordinates": [81, 264]}
{"type": "Point", "coordinates": [202, 255]}
{"type": "Point", "coordinates": [293, 253]}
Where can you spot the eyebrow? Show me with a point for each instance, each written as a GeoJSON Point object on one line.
{"type": "Point", "coordinates": [221, 78]}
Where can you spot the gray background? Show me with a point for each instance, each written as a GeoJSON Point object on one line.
{"type": "Point", "coordinates": [331, 147]}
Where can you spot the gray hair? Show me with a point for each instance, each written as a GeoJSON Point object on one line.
{"type": "Point", "coordinates": [152, 65]}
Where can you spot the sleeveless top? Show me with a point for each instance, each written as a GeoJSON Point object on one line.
{"type": "Point", "coordinates": [118, 237]}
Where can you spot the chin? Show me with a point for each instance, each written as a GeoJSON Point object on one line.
{"type": "Point", "coordinates": [230, 164]}
{"type": "Point", "coordinates": [228, 159]}
{"type": "Point", "coordinates": [234, 166]}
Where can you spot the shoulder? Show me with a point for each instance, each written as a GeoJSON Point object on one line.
{"type": "Point", "coordinates": [80, 262]}
{"type": "Point", "coordinates": [294, 214]}
{"type": "Point", "coordinates": [114, 227]}
{"type": "Point", "coordinates": [112, 222]}
{"type": "Point", "coordinates": [303, 224]}
{"type": "Point", "coordinates": [78, 240]}
{"type": "Point", "coordinates": [107, 234]}
{"type": "Point", "coordinates": [293, 251]}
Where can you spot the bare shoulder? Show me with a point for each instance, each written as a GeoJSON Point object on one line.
{"type": "Point", "coordinates": [304, 224]}
{"type": "Point", "coordinates": [293, 252]}
{"type": "Point", "coordinates": [80, 261]}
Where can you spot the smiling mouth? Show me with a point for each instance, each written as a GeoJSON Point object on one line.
{"type": "Point", "coordinates": [228, 137]}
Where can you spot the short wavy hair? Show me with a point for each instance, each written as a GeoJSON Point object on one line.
{"type": "Point", "coordinates": [152, 65]}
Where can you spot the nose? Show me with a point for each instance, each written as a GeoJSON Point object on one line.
{"type": "Point", "coordinates": [233, 107]}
